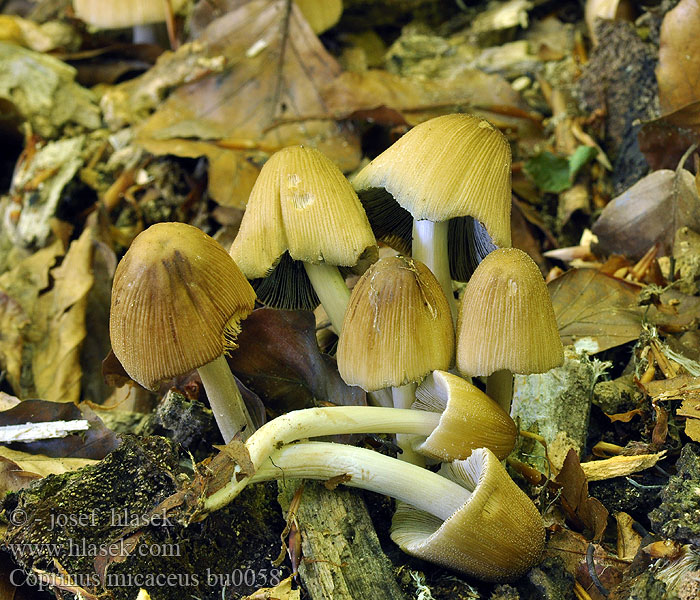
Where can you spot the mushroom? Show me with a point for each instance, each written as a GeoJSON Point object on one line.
{"type": "Point", "coordinates": [302, 222]}
{"type": "Point", "coordinates": [471, 517]}
{"type": "Point", "coordinates": [177, 302]}
{"type": "Point", "coordinates": [139, 14]}
{"type": "Point", "coordinates": [449, 167]}
{"type": "Point", "coordinates": [507, 324]}
{"type": "Point", "coordinates": [454, 416]}
{"type": "Point", "coordinates": [397, 329]}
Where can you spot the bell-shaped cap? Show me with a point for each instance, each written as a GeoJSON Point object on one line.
{"type": "Point", "coordinates": [469, 419]}
{"type": "Point", "coordinates": [321, 14]}
{"type": "Point", "coordinates": [177, 301]}
{"type": "Point", "coordinates": [301, 204]}
{"type": "Point", "coordinates": [451, 166]}
{"type": "Point", "coordinates": [506, 320]}
{"type": "Point", "coordinates": [496, 536]}
{"type": "Point", "coordinates": [397, 326]}
{"type": "Point", "coordinates": [109, 14]}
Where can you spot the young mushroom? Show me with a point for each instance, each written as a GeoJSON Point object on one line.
{"type": "Point", "coordinates": [454, 416]}
{"type": "Point", "coordinates": [507, 324]}
{"type": "Point", "coordinates": [397, 329]}
{"type": "Point", "coordinates": [471, 517]}
{"type": "Point", "coordinates": [302, 222]}
{"type": "Point", "coordinates": [177, 302]}
{"type": "Point", "coordinates": [450, 167]}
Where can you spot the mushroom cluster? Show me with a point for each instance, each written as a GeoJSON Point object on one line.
{"type": "Point", "coordinates": [446, 185]}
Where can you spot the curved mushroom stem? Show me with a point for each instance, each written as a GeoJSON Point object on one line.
{"type": "Point", "coordinates": [225, 399]}
{"type": "Point", "coordinates": [404, 397]}
{"type": "Point", "coordinates": [369, 470]}
{"type": "Point", "coordinates": [430, 247]}
{"type": "Point", "coordinates": [330, 287]}
{"type": "Point", "coordinates": [313, 422]}
{"type": "Point", "coordinates": [499, 387]}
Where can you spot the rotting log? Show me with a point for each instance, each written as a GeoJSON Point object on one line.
{"type": "Point", "coordinates": [342, 557]}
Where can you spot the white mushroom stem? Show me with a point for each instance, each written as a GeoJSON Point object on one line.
{"type": "Point", "coordinates": [369, 470]}
{"type": "Point", "coordinates": [331, 289]}
{"type": "Point", "coordinates": [499, 387]}
{"type": "Point", "coordinates": [430, 247]}
{"type": "Point", "coordinates": [225, 399]}
{"type": "Point", "coordinates": [314, 422]}
{"type": "Point", "coordinates": [404, 397]}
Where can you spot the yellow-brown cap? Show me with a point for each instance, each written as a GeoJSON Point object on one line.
{"type": "Point", "coordinates": [302, 203]}
{"type": "Point", "coordinates": [506, 319]}
{"type": "Point", "coordinates": [105, 14]}
{"type": "Point", "coordinates": [469, 419]}
{"type": "Point", "coordinates": [397, 326]}
{"type": "Point", "coordinates": [450, 166]}
{"type": "Point", "coordinates": [177, 300]}
{"type": "Point", "coordinates": [496, 536]}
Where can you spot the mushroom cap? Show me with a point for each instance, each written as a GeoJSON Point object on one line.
{"type": "Point", "coordinates": [105, 14]}
{"type": "Point", "coordinates": [397, 326]}
{"type": "Point", "coordinates": [469, 419]}
{"type": "Point", "coordinates": [450, 166]}
{"type": "Point", "coordinates": [177, 300]}
{"type": "Point", "coordinates": [496, 536]}
{"type": "Point", "coordinates": [301, 203]}
{"type": "Point", "coordinates": [506, 319]}
{"type": "Point", "coordinates": [321, 14]}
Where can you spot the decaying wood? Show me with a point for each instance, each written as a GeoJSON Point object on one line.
{"type": "Point", "coordinates": [342, 558]}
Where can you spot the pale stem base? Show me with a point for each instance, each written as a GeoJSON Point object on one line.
{"type": "Point", "coordinates": [314, 422]}
{"type": "Point", "coordinates": [225, 399]}
{"type": "Point", "coordinates": [331, 289]}
{"type": "Point", "coordinates": [404, 397]}
{"type": "Point", "coordinates": [368, 470]}
{"type": "Point", "coordinates": [430, 247]}
{"type": "Point", "coordinates": [499, 387]}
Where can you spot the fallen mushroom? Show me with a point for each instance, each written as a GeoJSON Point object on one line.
{"type": "Point", "coordinates": [448, 167]}
{"type": "Point", "coordinates": [177, 302]}
{"type": "Point", "coordinates": [506, 324]}
{"type": "Point", "coordinates": [471, 517]}
{"type": "Point", "coordinates": [454, 416]}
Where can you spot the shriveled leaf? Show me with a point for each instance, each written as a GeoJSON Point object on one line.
{"type": "Point", "coordinates": [282, 591]}
{"type": "Point", "coordinates": [267, 96]}
{"type": "Point", "coordinates": [414, 99]}
{"type": "Point", "coordinates": [582, 511]}
{"type": "Point", "coordinates": [95, 443]}
{"type": "Point", "coordinates": [278, 358]}
{"type": "Point", "coordinates": [649, 212]}
{"type": "Point", "coordinates": [678, 69]}
{"type": "Point", "coordinates": [56, 360]}
{"type": "Point", "coordinates": [663, 141]}
{"type": "Point", "coordinates": [628, 540]}
{"type": "Point", "coordinates": [22, 467]}
{"type": "Point", "coordinates": [594, 309]}
{"type": "Point", "coordinates": [620, 466]}
{"type": "Point", "coordinates": [13, 322]}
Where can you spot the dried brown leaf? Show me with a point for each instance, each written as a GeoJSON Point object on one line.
{"type": "Point", "coordinates": [628, 540]}
{"type": "Point", "coordinates": [582, 511]}
{"type": "Point", "coordinates": [61, 310]}
{"type": "Point", "coordinates": [267, 96]}
{"type": "Point", "coordinates": [595, 309]}
{"type": "Point", "coordinates": [650, 211]}
{"type": "Point", "coordinates": [13, 323]}
{"type": "Point", "coordinates": [678, 69]}
{"type": "Point", "coordinates": [279, 360]}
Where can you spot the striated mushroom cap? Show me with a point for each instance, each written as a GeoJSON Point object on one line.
{"type": "Point", "coordinates": [301, 208]}
{"type": "Point", "coordinates": [506, 319]}
{"type": "Point", "coordinates": [397, 328]}
{"type": "Point", "coordinates": [105, 14]}
{"type": "Point", "coordinates": [469, 419]}
{"type": "Point", "coordinates": [496, 536]}
{"type": "Point", "coordinates": [177, 300]}
{"type": "Point", "coordinates": [451, 166]}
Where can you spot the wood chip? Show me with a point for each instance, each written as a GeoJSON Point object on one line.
{"type": "Point", "coordinates": [619, 466]}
